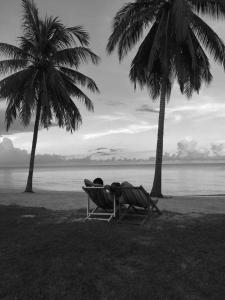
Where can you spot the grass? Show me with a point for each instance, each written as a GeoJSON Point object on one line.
{"type": "Point", "coordinates": [50, 257]}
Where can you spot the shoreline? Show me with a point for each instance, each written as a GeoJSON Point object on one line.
{"type": "Point", "coordinates": [74, 200]}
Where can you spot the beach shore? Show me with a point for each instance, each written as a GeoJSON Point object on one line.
{"type": "Point", "coordinates": [214, 204]}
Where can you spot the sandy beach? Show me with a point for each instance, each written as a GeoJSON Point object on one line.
{"type": "Point", "coordinates": [75, 200]}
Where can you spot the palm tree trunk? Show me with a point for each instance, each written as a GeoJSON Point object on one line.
{"type": "Point", "coordinates": [29, 188]}
{"type": "Point", "coordinates": [157, 183]}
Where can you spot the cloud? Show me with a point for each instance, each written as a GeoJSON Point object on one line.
{"type": "Point", "coordinates": [103, 153]}
{"type": "Point", "coordinates": [100, 148]}
{"type": "Point", "coordinates": [207, 111]}
{"type": "Point", "coordinates": [115, 103]}
{"type": "Point", "coordinates": [104, 149]}
{"type": "Point", "coordinates": [218, 149]}
{"type": "Point", "coordinates": [9, 155]}
{"type": "Point", "coordinates": [131, 129]}
{"type": "Point", "coordinates": [188, 149]}
{"type": "Point", "coordinates": [212, 109]}
{"type": "Point", "coordinates": [115, 117]}
{"type": "Point", "coordinates": [147, 108]}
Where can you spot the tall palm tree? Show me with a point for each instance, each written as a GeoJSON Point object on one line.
{"type": "Point", "coordinates": [42, 79]}
{"type": "Point", "coordinates": [173, 48]}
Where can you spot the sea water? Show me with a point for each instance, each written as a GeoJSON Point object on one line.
{"type": "Point", "coordinates": [177, 179]}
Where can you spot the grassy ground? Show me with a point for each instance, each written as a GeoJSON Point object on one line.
{"type": "Point", "coordinates": [48, 255]}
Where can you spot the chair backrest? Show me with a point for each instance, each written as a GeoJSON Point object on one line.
{"type": "Point", "coordinates": [100, 196]}
{"type": "Point", "coordinates": [134, 196]}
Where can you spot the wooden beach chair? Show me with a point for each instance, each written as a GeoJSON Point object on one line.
{"type": "Point", "coordinates": [104, 201]}
{"type": "Point", "coordinates": [138, 200]}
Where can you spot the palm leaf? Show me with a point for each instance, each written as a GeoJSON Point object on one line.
{"type": "Point", "coordinates": [74, 91]}
{"type": "Point", "coordinates": [75, 56]}
{"type": "Point", "coordinates": [31, 20]}
{"type": "Point", "coordinates": [214, 8]}
{"type": "Point", "coordinates": [19, 90]}
{"type": "Point", "coordinates": [80, 78]}
{"type": "Point", "coordinates": [181, 13]}
{"type": "Point", "coordinates": [13, 51]}
{"type": "Point", "coordinates": [208, 38]}
{"type": "Point", "coordinates": [12, 65]}
{"type": "Point", "coordinates": [132, 16]}
{"type": "Point", "coordinates": [65, 111]}
{"type": "Point", "coordinates": [80, 34]}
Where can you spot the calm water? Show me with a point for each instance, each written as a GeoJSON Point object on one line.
{"type": "Point", "coordinates": [177, 179]}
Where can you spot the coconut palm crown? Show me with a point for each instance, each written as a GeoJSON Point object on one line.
{"type": "Point", "coordinates": [174, 47]}
{"type": "Point", "coordinates": [44, 74]}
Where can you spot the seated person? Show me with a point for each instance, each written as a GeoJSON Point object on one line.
{"type": "Point", "coordinates": [100, 193]}
{"type": "Point", "coordinates": [126, 184]}
{"type": "Point", "coordinates": [96, 182]}
{"type": "Point", "coordinates": [115, 189]}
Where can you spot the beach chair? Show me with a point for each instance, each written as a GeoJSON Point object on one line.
{"type": "Point", "coordinates": [139, 200]}
{"type": "Point", "coordinates": [104, 201]}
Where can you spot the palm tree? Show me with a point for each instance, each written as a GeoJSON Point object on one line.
{"type": "Point", "coordinates": [172, 49]}
{"type": "Point", "coordinates": [42, 79]}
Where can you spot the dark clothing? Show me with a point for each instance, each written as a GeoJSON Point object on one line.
{"type": "Point", "coordinates": [116, 189]}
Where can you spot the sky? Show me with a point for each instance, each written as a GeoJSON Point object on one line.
{"type": "Point", "coordinates": [124, 122]}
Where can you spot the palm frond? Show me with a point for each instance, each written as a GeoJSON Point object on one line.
{"type": "Point", "coordinates": [28, 46]}
{"type": "Point", "coordinates": [74, 91]}
{"type": "Point", "coordinates": [140, 63]}
{"type": "Point", "coordinates": [75, 56]}
{"type": "Point", "coordinates": [62, 106]}
{"type": "Point", "coordinates": [181, 14]}
{"type": "Point", "coordinates": [45, 51]}
{"type": "Point", "coordinates": [57, 35]}
{"type": "Point", "coordinates": [131, 17]}
{"type": "Point", "coordinates": [13, 52]}
{"type": "Point", "coordinates": [46, 113]}
{"type": "Point", "coordinates": [12, 65]}
{"type": "Point", "coordinates": [81, 79]}
{"type": "Point", "coordinates": [214, 8]}
{"type": "Point", "coordinates": [208, 38]}
{"type": "Point", "coordinates": [19, 91]}
{"type": "Point", "coordinates": [202, 60]}
{"type": "Point", "coordinates": [129, 38]}
{"type": "Point", "coordinates": [161, 34]}
{"type": "Point", "coordinates": [73, 117]}
{"type": "Point", "coordinates": [31, 20]}
{"type": "Point", "coordinates": [10, 115]}
{"type": "Point", "coordinates": [10, 86]}
{"type": "Point", "coordinates": [80, 34]}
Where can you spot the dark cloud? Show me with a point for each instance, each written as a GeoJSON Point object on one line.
{"type": "Point", "coordinates": [101, 148]}
{"type": "Point", "coordinates": [114, 150]}
{"type": "Point", "coordinates": [147, 108]}
{"type": "Point", "coordinates": [103, 152]}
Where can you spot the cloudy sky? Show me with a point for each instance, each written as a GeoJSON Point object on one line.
{"type": "Point", "coordinates": [123, 120]}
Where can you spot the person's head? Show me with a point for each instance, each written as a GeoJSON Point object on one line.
{"type": "Point", "coordinates": [98, 180]}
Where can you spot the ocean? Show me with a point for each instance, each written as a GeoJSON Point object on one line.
{"type": "Point", "coordinates": [178, 179]}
